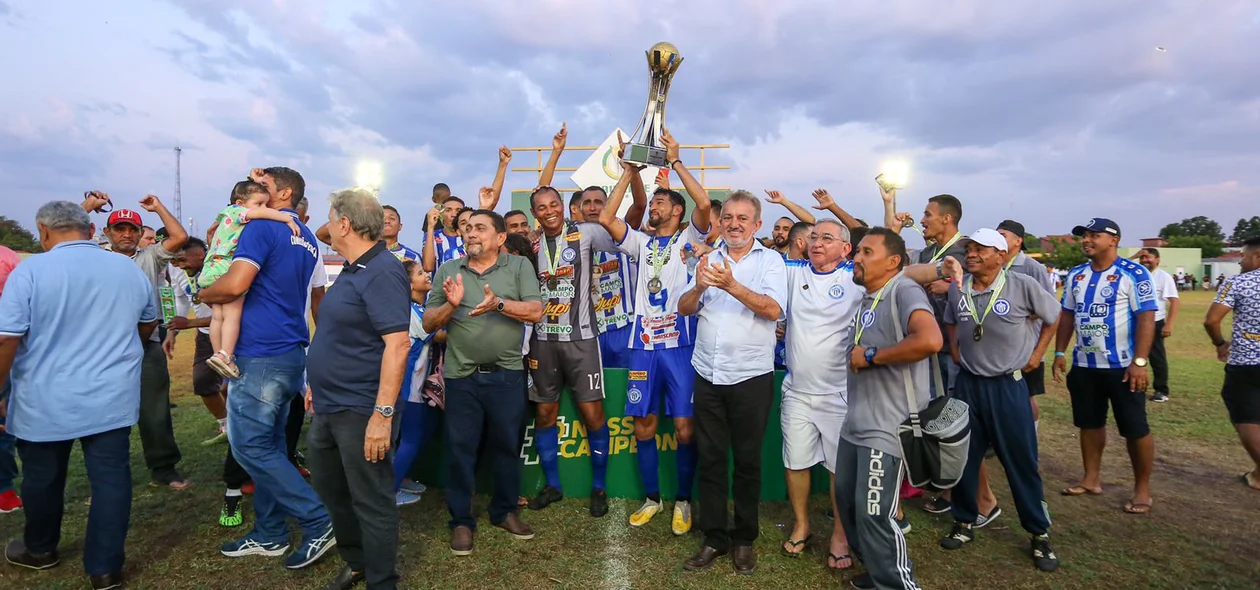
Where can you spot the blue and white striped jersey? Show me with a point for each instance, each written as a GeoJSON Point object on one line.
{"type": "Point", "coordinates": [657, 323]}
{"type": "Point", "coordinates": [447, 248]}
{"type": "Point", "coordinates": [1106, 304]}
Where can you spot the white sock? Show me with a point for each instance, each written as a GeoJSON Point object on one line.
{"type": "Point", "coordinates": [1036, 426]}
{"type": "Point", "coordinates": [232, 493]}
{"type": "Point", "coordinates": [222, 423]}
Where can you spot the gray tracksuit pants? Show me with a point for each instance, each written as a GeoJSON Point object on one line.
{"type": "Point", "coordinates": [868, 489]}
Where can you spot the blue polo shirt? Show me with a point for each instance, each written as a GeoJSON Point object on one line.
{"type": "Point", "coordinates": [372, 298]}
{"type": "Point", "coordinates": [273, 320]}
{"type": "Point", "coordinates": [77, 371]}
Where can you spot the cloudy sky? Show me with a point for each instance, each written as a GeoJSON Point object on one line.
{"type": "Point", "coordinates": [1049, 112]}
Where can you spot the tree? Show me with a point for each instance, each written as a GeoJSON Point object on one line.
{"type": "Point", "coordinates": [1245, 229]}
{"type": "Point", "coordinates": [16, 237]}
{"type": "Point", "coordinates": [1064, 254]}
{"type": "Point", "coordinates": [1210, 246]}
{"type": "Point", "coordinates": [1194, 226]}
{"type": "Point", "coordinates": [1032, 243]}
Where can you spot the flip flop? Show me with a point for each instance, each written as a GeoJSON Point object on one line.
{"type": "Point", "coordinates": [801, 544]}
{"type": "Point", "coordinates": [1080, 491]}
{"type": "Point", "coordinates": [833, 558]}
{"type": "Point", "coordinates": [1131, 508]}
{"type": "Point", "coordinates": [1246, 479]}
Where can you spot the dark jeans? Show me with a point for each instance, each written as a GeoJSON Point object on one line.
{"type": "Point", "coordinates": [234, 475]}
{"type": "Point", "coordinates": [359, 495]}
{"type": "Point", "coordinates": [107, 456]}
{"type": "Point", "coordinates": [8, 460]}
{"type": "Point", "coordinates": [731, 418]}
{"type": "Point", "coordinates": [157, 436]}
{"type": "Point", "coordinates": [489, 403]}
{"type": "Point", "coordinates": [1159, 360]}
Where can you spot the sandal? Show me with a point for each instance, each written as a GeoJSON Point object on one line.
{"type": "Point", "coordinates": [833, 559]}
{"type": "Point", "coordinates": [222, 364]}
{"type": "Point", "coordinates": [1080, 491]}
{"type": "Point", "coordinates": [1248, 477]}
{"type": "Point", "coordinates": [1131, 508]}
{"type": "Point", "coordinates": [796, 544]}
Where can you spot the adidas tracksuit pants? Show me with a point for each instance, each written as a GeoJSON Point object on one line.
{"type": "Point", "coordinates": [868, 487]}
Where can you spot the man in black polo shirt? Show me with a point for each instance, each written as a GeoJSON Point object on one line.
{"type": "Point", "coordinates": [355, 367]}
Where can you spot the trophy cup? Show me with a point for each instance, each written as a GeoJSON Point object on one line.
{"type": "Point", "coordinates": [645, 147]}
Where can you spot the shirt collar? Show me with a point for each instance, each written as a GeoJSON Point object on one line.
{"type": "Point", "coordinates": [75, 243]}
{"type": "Point", "coordinates": [500, 261]}
{"type": "Point", "coordinates": [361, 263]}
{"type": "Point", "coordinates": [755, 247]}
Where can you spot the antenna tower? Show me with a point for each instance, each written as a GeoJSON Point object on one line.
{"type": "Point", "coordinates": [179, 200]}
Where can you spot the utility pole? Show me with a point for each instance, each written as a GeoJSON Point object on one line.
{"type": "Point", "coordinates": [179, 200]}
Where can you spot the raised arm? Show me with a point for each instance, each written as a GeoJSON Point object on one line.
{"type": "Point", "coordinates": [797, 211]}
{"type": "Point", "coordinates": [608, 217]}
{"type": "Point", "coordinates": [491, 200]}
{"type": "Point", "coordinates": [557, 147]}
{"type": "Point", "coordinates": [176, 236]}
{"type": "Point", "coordinates": [890, 207]}
{"type": "Point", "coordinates": [428, 254]}
{"type": "Point", "coordinates": [634, 215]}
{"type": "Point", "coordinates": [699, 196]}
{"type": "Point", "coordinates": [827, 203]}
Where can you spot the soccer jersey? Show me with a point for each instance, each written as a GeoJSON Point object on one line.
{"type": "Point", "coordinates": [447, 248]}
{"type": "Point", "coordinates": [417, 356]}
{"type": "Point", "coordinates": [402, 252]}
{"type": "Point", "coordinates": [1106, 304]}
{"type": "Point", "coordinates": [1241, 293]}
{"type": "Point", "coordinates": [657, 323]}
{"type": "Point", "coordinates": [820, 311]}
{"type": "Point", "coordinates": [614, 287]}
{"type": "Point", "coordinates": [565, 263]}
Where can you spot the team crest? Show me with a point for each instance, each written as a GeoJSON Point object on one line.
{"type": "Point", "coordinates": [1107, 291]}
{"type": "Point", "coordinates": [1079, 278]}
{"type": "Point", "coordinates": [569, 254]}
{"type": "Point", "coordinates": [836, 291]}
{"type": "Point", "coordinates": [868, 318]}
{"type": "Point", "coordinates": [1144, 288]}
{"type": "Point", "coordinates": [633, 395]}
{"type": "Point", "coordinates": [1001, 307]}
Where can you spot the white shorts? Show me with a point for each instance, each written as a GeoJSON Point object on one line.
{"type": "Point", "coordinates": [811, 429]}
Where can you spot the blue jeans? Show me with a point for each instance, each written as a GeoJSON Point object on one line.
{"type": "Point", "coordinates": [491, 403]}
{"type": "Point", "coordinates": [258, 410]}
{"type": "Point", "coordinates": [8, 460]}
{"type": "Point", "coordinates": [107, 456]}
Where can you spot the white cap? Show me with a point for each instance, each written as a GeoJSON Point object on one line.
{"type": "Point", "coordinates": [988, 237]}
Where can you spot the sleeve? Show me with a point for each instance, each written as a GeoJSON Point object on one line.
{"type": "Point", "coordinates": [1224, 293]}
{"type": "Point", "coordinates": [319, 277]}
{"type": "Point", "coordinates": [389, 306]}
{"type": "Point", "coordinates": [437, 295]}
{"type": "Point", "coordinates": [910, 298]}
{"type": "Point", "coordinates": [691, 234]}
{"type": "Point", "coordinates": [601, 240]}
{"type": "Point", "coordinates": [254, 245]}
{"type": "Point", "coordinates": [526, 281]}
{"type": "Point", "coordinates": [417, 326]}
{"type": "Point", "coordinates": [8, 262]}
{"type": "Point", "coordinates": [774, 281]}
{"type": "Point", "coordinates": [15, 305]}
{"type": "Point", "coordinates": [149, 311]}
{"type": "Point", "coordinates": [633, 242]}
{"type": "Point", "coordinates": [235, 214]}
{"type": "Point", "coordinates": [153, 258]}
{"type": "Point", "coordinates": [951, 304]}
{"type": "Point", "coordinates": [1168, 289]}
{"type": "Point", "coordinates": [1042, 303]}
{"type": "Point", "coordinates": [1142, 294]}
{"type": "Point", "coordinates": [183, 292]}
{"type": "Point", "coordinates": [1069, 298]}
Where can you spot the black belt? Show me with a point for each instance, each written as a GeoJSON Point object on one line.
{"type": "Point", "coordinates": [487, 369]}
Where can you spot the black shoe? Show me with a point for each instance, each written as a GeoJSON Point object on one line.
{"type": "Point", "coordinates": [345, 580]}
{"type": "Point", "coordinates": [702, 559]}
{"type": "Point", "coordinates": [830, 514]}
{"type": "Point", "coordinates": [108, 581]}
{"type": "Point", "coordinates": [960, 535]}
{"type": "Point", "coordinates": [937, 505]}
{"type": "Point", "coordinates": [599, 503]}
{"type": "Point", "coordinates": [17, 554]}
{"type": "Point", "coordinates": [1043, 554]}
{"type": "Point", "coordinates": [744, 559]}
{"type": "Point", "coordinates": [1159, 398]}
{"type": "Point", "coordinates": [545, 498]}
{"type": "Point", "coordinates": [862, 582]}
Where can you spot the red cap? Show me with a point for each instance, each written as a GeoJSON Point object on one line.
{"type": "Point", "coordinates": [124, 216]}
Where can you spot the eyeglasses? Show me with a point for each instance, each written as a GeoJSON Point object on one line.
{"type": "Point", "coordinates": [827, 239]}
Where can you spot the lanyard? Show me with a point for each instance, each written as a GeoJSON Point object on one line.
{"type": "Point", "coordinates": [879, 296]}
{"type": "Point", "coordinates": [553, 258]}
{"type": "Point", "coordinates": [658, 258]}
{"type": "Point", "coordinates": [941, 252]}
{"type": "Point", "coordinates": [971, 304]}
{"type": "Point", "coordinates": [1011, 262]}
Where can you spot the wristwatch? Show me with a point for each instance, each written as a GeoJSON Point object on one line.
{"type": "Point", "coordinates": [386, 411]}
{"type": "Point", "coordinates": [499, 306]}
{"type": "Point", "coordinates": [674, 163]}
{"type": "Point", "coordinates": [1141, 362]}
{"type": "Point", "coordinates": [940, 270]}
{"type": "Point", "coordinates": [870, 355]}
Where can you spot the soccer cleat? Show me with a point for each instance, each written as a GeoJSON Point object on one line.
{"type": "Point", "coordinates": [404, 498]}
{"type": "Point", "coordinates": [960, 535]}
{"type": "Point", "coordinates": [546, 497]}
{"type": "Point", "coordinates": [230, 514]}
{"type": "Point", "coordinates": [645, 513]}
{"type": "Point", "coordinates": [311, 550]}
{"type": "Point", "coordinates": [903, 523]}
{"type": "Point", "coordinates": [414, 487]}
{"type": "Point", "coordinates": [599, 503]}
{"type": "Point", "coordinates": [251, 546]}
{"type": "Point", "coordinates": [681, 523]}
{"type": "Point", "coordinates": [9, 502]}
{"type": "Point", "coordinates": [1043, 555]}
{"type": "Point", "coordinates": [218, 439]}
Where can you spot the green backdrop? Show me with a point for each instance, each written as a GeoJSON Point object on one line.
{"type": "Point", "coordinates": [623, 468]}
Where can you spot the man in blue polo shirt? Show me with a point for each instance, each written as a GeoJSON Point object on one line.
{"type": "Point", "coordinates": [272, 269]}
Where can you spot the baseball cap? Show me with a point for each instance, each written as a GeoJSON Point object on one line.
{"type": "Point", "coordinates": [1098, 224]}
{"type": "Point", "coordinates": [1016, 228]}
{"type": "Point", "coordinates": [120, 216]}
{"type": "Point", "coordinates": [987, 237]}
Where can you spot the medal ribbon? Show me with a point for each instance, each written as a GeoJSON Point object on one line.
{"type": "Point", "coordinates": [1000, 283]}
{"type": "Point", "coordinates": [941, 252]}
{"type": "Point", "coordinates": [553, 258]}
{"type": "Point", "coordinates": [658, 260]}
{"type": "Point", "coordinates": [861, 327]}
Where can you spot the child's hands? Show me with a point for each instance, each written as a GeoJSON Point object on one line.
{"type": "Point", "coordinates": [294, 227]}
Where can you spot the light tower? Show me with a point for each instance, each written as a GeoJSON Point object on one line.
{"type": "Point", "coordinates": [179, 205]}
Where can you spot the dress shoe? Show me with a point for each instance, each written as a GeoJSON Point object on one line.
{"type": "Point", "coordinates": [462, 541]}
{"type": "Point", "coordinates": [744, 559]}
{"type": "Point", "coordinates": [703, 558]}
{"type": "Point", "coordinates": [345, 580]}
{"type": "Point", "coordinates": [108, 581]}
{"type": "Point", "coordinates": [17, 554]}
{"type": "Point", "coordinates": [514, 525]}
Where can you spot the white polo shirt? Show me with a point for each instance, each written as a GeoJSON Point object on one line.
{"type": "Point", "coordinates": [732, 343]}
{"type": "Point", "coordinates": [1165, 289]}
{"type": "Point", "coordinates": [820, 311]}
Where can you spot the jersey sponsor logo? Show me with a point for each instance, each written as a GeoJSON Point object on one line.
{"type": "Point", "coordinates": [607, 304]}
{"type": "Point", "coordinates": [610, 285]}
{"type": "Point", "coordinates": [1001, 307]}
{"type": "Point", "coordinates": [1099, 310]}
{"type": "Point", "coordinates": [659, 329]}
{"type": "Point", "coordinates": [555, 310]}
{"type": "Point", "coordinates": [569, 255]}
{"type": "Point", "coordinates": [610, 266]}
{"type": "Point", "coordinates": [634, 395]}
{"type": "Point", "coordinates": [533, 364]}
{"type": "Point", "coordinates": [836, 291]}
{"type": "Point", "coordinates": [1093, 330]}
{"type": "Point", "coordinates": [638, 376]}
{"type": "Point", "coordinates": [553, 329]}
{"type": "Point", "coordinates": [574, 237]}
{"type": "Point", "coordinates": [1108, 291]}
{"type": "Point", "coordinates": [613, 320]}
{"type": "Point", "coordinates": [868, 318]}
{"type": "Point", "coordinates": [562, 291]}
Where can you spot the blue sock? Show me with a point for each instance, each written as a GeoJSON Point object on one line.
{"type": "Point", "coordinates": [649, 467]}
{"type": "Point", "coordinates": [549, 453]}
{"type": "Point", "coordinates": [599, 456]}
{"type": "Point", "coordinates": [686, 469]}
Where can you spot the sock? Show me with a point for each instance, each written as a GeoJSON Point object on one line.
{"type": "Point", "coordinates": [599, 456]}
{"type": "Point", "coordinates": [549, 453]}
{"type": "Point", "coordinates": [222, 423]}
{"type": "Point", "coordinates": [686, 459]}
{"type": "Point", "coordinates": [232, 493]}
{"type": "Point", "coordinates": [649, 468]}
{"type": "Point", "coordinates": [1036, 426]}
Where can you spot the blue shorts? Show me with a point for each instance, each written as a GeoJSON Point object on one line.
{"type": "Point", "coordinates": [614, 346]}
{"type": "Point", "coordinates": [660, 374]}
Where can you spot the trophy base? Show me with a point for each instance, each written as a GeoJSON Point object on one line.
{"type": "Point", "coordinates": [645, 155]}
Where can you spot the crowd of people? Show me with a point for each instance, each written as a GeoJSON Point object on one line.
{"type": "Point", "coordinates": [495, 316]}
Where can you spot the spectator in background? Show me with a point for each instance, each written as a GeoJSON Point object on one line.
{"type": "Point", "coordinates": [148, 237]}
{"type": "Point", "coordinates": [356, 366]}
{"type": "Point", "coordinates": [157, 434]}
{"type": "Point", "coordinates": [420, 416]}
{"type": "Point", "coordinates": [517, 222]}
{"type": "Point", "coordinates": [1241, 353]}
{"type": "Point", "coordinates": [72, 324]}
{"type": "Point", "coordinates": [9, 499]}
{"type": "Point", "coordinates": [1169, 303]}
{"type": "Point", "coordinates": [206, 384]}
{"type": "Point", "coordinates": [779, 235]}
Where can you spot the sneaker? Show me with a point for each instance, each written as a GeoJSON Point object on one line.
{"type": "Point", "coordinates": [230, 514]}
{"type": "Point", "coordinates": [904, 523]}
{"type": "Point", "coordinates": [9, 502]}
{"type": "Point", "coordinates": [218, 439]}
{"type": "Point", "coordinates": [405, 498]}
{"type": "Point", "coordinates": [681, 523]}
{"type": "Point", "coordinates": [645, 513]}
{"type": "Point", "coordinates": [960, 535]}
{"type": "Point", "coordinates": [248, 545]}
{"type": "Point", "coordinates": [546, 497]}
{"type": "Point", "coordinates": [984, 520]}
{"type": "Point", "coordinates": [1159, 397]}
{"type": "Point", "coordinates": [937, 505]}
{"type": "Point", "coordinates": [304, 472]}
{"type": "Point", "coordinates": [829, 514]}
{"type": "Point", "coordinates": [599, 503]}
{"type": "Point", "coordinates": [17, 554]}
{"type": "Point", "coordinates": [1043, 554]}
{"type": "Point", "coordinates": [862, 582]}
{"type": "Point", "coordinates": [311, 550]}
{"type": "Point", "coordinates": [414, 487]}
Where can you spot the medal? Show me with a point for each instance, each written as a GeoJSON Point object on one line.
{"type": "Point", "coordinates": [596, 271]}
{"type": "Point", "coordinates": [998, 285]}
{"type": "Point", "coordinates": [552, 283]}
{"type": "Point", "coordinates": [978, 333]}
{"type": "Point", "coordinates": [654, 286]}
{"type": "Point", "coordinates": [658, 261]}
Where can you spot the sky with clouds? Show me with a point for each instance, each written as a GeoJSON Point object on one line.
{"type": "Point", "coordinates": [1048, 112]}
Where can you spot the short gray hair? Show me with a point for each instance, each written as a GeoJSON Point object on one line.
{"type": "Point", "coordinates": [64, 216]}
{"type": "Point", "coordinates": [747, 197]}
{"type": "Point", "coordinates": [844, 230]}
{"type": "Point", "coordinates": [362, 208]}
{"type": "Point", "coordinates": [301, 206]}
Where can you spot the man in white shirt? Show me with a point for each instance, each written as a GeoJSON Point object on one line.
{"type": "Point", "coordinates": [738, 295]}
{"type": "Point", "coordinates": [1169, 303]}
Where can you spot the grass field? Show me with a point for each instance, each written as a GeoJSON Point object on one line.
{"type": "Point", "coordinates": [1201, 533]}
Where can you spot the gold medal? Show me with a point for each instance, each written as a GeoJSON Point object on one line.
{"type": "Point", "coordinates": [654, 286]}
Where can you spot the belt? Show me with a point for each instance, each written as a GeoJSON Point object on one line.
{"type": "Point", "coordinates": [1017, 374]}
{"type": "Point", "coordinates": [487, 369]}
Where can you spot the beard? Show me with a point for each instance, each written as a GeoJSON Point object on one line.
{"type": "Point", "coordinates": [655, 219]}
{"type": "Point", "coordinates": [780, 242]}
{"type": "Point", "coordinates": [474, 250]}
{"type": "Point", "coordinates": [859, 276]}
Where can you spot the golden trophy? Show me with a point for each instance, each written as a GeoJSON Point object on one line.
{"type": "Point", "coordinates": [645, 147]}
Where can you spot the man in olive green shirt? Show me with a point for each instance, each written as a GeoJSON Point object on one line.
{"type": "Point", "coordinates": [484, 303]}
